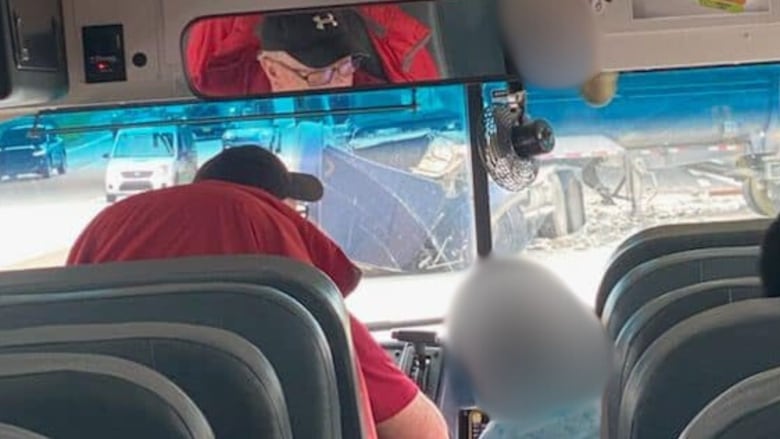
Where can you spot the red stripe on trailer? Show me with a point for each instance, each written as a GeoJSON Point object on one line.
{"type": "Point", "coordinates": [720, 192]}
{"type": "Point", "coordinates": [721, 148]}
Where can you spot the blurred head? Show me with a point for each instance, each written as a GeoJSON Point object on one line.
{"type": "Point", "coordinates": [305, 51]}
{"type": "Point", "coordinates": [769, 265]}
{"type": "Point", "coordinates": [259, 168]}
{"type": "Point", "coordinates": [532, 350]}
{"type": "Point", "coordinates": [553, 43]}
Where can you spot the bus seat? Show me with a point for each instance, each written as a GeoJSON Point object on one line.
{"type": "Point", "coordinates": [659, 315]}
{"type": "Point", "coordinates": [229, 379]}
{"type": "Point", "coordinates": [13, 432]}
{"type": "Point", "coordinates": [694, 362]}
{"type": "Point", "coordinates": [667, 273]}
{"type": "Point", "coordinates": [748, 409]}
{"type": "Point", "coordinates": [221, 292]}
{"type": "Point", "coordinates": [70, 396]}
{"type": "Point", "coordinates": [663, 240]}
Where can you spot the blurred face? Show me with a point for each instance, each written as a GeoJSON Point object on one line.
{"type": "Point", "coordinates": [288, 74]}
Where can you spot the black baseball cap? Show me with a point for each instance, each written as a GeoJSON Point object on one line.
{"type": "Point", "coordinates": [258, 167]}
{"type": "Point", "coordinates": [316, 39]}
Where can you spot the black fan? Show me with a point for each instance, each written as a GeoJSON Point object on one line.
{"type": "Point", "coordinates": [511, 146]}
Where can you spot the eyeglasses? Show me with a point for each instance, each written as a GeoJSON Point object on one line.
{"type": "Point", "coordinates": [320, 77]}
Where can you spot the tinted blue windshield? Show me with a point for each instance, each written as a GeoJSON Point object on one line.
{"type": "Point", "coordinates": [696, 143]}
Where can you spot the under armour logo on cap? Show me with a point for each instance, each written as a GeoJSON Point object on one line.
{"type": "Point", "coordinates": [327, 19]}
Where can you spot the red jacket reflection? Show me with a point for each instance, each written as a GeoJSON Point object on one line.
{"type": "Point", "coordinates": [222, 53]}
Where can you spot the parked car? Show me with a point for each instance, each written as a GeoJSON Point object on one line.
{"type": "Point", "coordinates": [144, 159]}
{"type": "Point", "coordinates": [26, 151]}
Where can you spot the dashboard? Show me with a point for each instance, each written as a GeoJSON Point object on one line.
{"type": "Point", "coordinates": [422, 358]}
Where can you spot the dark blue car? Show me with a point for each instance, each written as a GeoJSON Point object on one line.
{"type": "Point", "coordinates": [23, 152]}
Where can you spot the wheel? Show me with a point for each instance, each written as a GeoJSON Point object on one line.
{"type": "Point", "coordinates": [47, 169]}
{"type": "Point", "coordinates": [756, 195]}
{"type": "Point", "coordinates": [510, 231]}
{"type": "Point", "coordinates": [556, 224]}
{"type": "Point", "coordinates": [63, 167]}
{"type": "Point", "coordinates": [575, 201]}
{"type": "Point", "coordinates": [110, 198]}
{"type": "Point", "coordinates": [568, 214]}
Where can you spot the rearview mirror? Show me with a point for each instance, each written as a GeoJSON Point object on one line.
{"type": "Point", "coordinates": [347, 47]}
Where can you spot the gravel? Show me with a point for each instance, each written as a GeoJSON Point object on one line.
{"type": "Point", "coordinates": [611, 224]}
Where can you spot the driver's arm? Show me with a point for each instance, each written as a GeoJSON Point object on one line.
{"type": "Point", "coordinates": [419, 419]}
{"type": "Point", "coordinates": [400, 409]}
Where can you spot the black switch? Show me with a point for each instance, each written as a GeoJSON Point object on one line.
{"type": "Point", "coordinates": [104, 53]}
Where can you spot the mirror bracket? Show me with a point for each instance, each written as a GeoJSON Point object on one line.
{"type": "Point", "coordinates": [514, 100]}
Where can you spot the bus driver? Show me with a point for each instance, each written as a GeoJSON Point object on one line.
{"type": "Point", "coordinates": [238, 204]}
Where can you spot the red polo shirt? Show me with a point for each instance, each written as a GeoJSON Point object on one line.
{"type": "Point", "coordinates": [217, 218]}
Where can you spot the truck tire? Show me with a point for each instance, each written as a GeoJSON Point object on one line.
{"type": "Point", "coordinates": [756, 196]}
{"type": "Point", "coordinates": [568, 214]}
{"type": "Point", "coordinates": [47, 169]}
{"type": "Point", "coordinates": [510, 231]}
{"type": "Point", "coordinates": [62, 168]}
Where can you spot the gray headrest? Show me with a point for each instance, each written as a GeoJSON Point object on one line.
{"type": "Point", "coordinates": [14, 432]}
{"type": "Point", "coordinates": [694, 362]}
{"type": "Point", "coordinates": [91, 396]}
{"type": "Point", "coordinates": [305, 284]}
{"type": "Point", "coordinates": [227, 377]}
{"type": "Point", "coordinates": [670, 272]}
{"type": "Point", "coordinates": [663, 240]}
{"type": "Point", "coordinates": [750, 408]}
{"type": "Point", "coordinates": [658, 316]}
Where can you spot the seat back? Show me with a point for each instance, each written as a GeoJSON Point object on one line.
{"type": "Point", "coordinates": [748, 409]}
{"type": "Point", "coordinates": [229, 379]}
{"type": "Point", "coordinates": [13, 432]}
{"type": "Point", "coordinates": [667, 273]}
{"type": "Point", "coordinates": [664, 240]}
{"type": "Point", "coordinates": [694, 362]}
{"type": "Point", "coordinates": [72, 396]}
{"type": "Point", "coordinates": [220, 292]}
{"type": "Point", "coordinates": [659, 315]}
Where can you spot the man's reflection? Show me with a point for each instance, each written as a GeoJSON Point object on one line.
{"type": "Point", "coordinates": [255, 54]}
{"type": "Point", "coordinates": [310, 51]}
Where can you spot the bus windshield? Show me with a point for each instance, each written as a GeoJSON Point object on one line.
{"type": "Point", "coordinates": [687, 145]}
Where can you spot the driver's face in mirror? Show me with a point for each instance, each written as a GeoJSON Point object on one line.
{"type": "Point", "coordinates": [286, 73]}
{"type": "Point", "coordinates": [308, 51]}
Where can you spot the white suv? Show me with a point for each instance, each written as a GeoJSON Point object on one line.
{"type": "Point", "coordinates": [144, 159]}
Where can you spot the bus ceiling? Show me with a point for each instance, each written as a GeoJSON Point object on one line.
{"type": "Point", "coordinates": [74, 53]}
